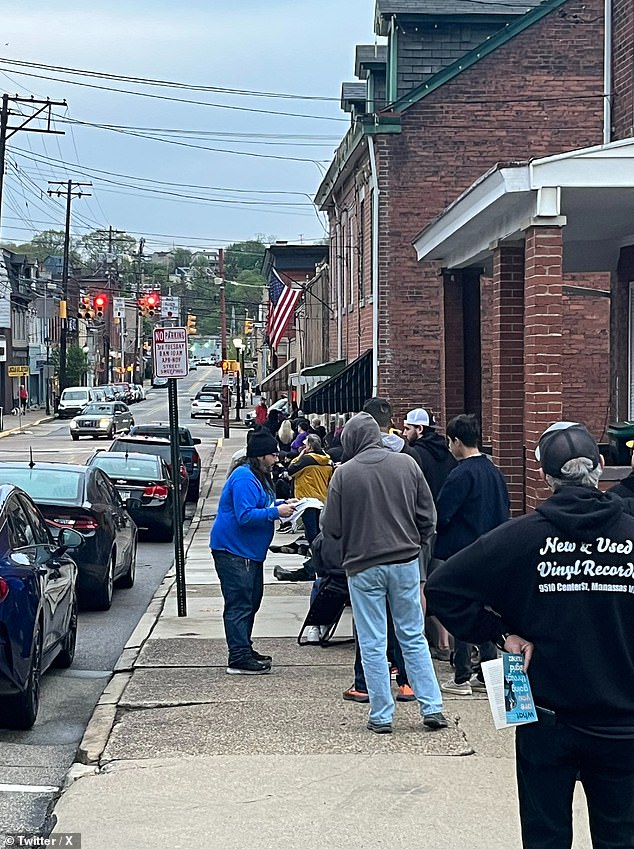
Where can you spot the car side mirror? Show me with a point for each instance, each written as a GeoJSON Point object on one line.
{"type": "Point", "coordinates": [197, 440]}
{"type": "Point", "coordinates": [68, 539]}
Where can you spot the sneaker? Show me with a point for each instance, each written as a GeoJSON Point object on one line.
{"type": "Point", "coordinates": [263, 658]}
{"type": "Point", "coordinates": [440, 654]}
{"type": "Point", "coordinates": [283, 574]}
{"type": "Point", "coordinates": [405, 694]}
{"type": "Point", "coordinates": [248, 667]}
{"type": "Point", "coordinates": [380, 728]}
{"type": "Point", "coordinates": [450, 686]}
{"type": "Point", "coordinates": [352, 695]}
{"type": "Point", "coordinates": [434, 721]}
{"type": "Point", "coordinates": [311, 635]}
{"type": "Point", "coordinates": [477, 686]}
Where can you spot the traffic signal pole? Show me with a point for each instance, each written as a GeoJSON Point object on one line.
{"type": "Point", "coordinates": [223, 344]}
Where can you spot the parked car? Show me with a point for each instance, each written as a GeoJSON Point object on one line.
{"type": "Point", "coordinates": [159, 383]}
{"type": "Point", "coordinates": [38, 605]}
{"type": "Point", "coordinates": [187, 442]}
{"type": "Point", "coordinates": [205, 361]}
{"type": "Point", "coordinates": [208, 404]}
{"type": "Point", "coordinates": [73, 400]}
{"type": "Point", "coordinates": [281, 404]}
{"type": "Point", "coordinates": [193, 365]}
{"type": "Point", "coordinates": [84, 499]}
{"type": "Point", "coordinates": [144, 482]}
{"type": "Point", "coordinates": [160, 448]}
{"type": "Point", "coordinates": [139, 391]}
{"type": "Point", "coordinates": [104, 419]}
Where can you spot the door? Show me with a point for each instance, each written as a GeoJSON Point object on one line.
{"type": "Point", "coordinates": [125, 529]}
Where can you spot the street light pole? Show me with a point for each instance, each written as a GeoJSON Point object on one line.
{"type": "Point", "coordinates": [239, 346]}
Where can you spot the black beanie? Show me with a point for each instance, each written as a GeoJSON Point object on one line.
{"type": "Point", "coordinates": [261, 443]}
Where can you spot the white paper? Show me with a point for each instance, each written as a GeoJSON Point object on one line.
{"type": "Point", "coordinates": [509, 691]}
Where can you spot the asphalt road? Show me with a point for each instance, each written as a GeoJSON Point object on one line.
{"type": "Point", "coordinates": [33, 763]}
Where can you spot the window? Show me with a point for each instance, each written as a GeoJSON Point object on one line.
{"type": "Point", "coordinates": [40, 530]}
{"type": "Point", "coordinates": [362, 261]}
{"type": "Point", "coordinates": [20, 530]}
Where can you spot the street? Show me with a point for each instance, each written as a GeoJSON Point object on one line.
{"type": "Point", "coordinates": [33, 763]}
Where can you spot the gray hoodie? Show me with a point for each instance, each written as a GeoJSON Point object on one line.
{"type": "Point", "coordinates": [379, 505]}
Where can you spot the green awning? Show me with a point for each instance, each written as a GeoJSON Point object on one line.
{"type": "Point", "coordinates": [345, 392]}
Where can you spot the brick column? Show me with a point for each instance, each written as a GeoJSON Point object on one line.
{"type": "Point", "coordinates": [543, 324]}
{"type": "Point", "coordinates": [507, 366]}
{"type": "Point", "coordinates": [452, 375]}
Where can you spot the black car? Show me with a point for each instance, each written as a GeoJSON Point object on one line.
{"type": "Point", "coordinates": [160, 448]}
{"type": "Point", "coordinates": [38, 605]}
{"type": "Point", "coordinates": [187, 442]}
{"type": "Point", "coordinates": [144, 482]}
{"type": "Point", "coordinates": [84, 499]}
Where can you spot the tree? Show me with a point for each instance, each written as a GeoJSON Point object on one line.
{"type": "Point", "coordinates": [244, 256]}
{"type": "Point", "coordinates": [47, 243]}
{"type": "Point", "coordinates": [76, 364]}
{"type": "Point", "coordinates": [97, 248]}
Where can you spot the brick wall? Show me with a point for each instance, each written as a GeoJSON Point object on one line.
{"type": "Point", "coordinates": [490, 113]}
{"type": "Point", "coordinates": [586, 352]}
{"type": "Point", "coordinates": [623, 68]}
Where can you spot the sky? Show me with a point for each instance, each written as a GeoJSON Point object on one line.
{"type": "Point", "coordinates": [262, 176]}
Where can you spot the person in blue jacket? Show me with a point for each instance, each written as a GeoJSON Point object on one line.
{"type": "Point", "coordinates": [239, 541]}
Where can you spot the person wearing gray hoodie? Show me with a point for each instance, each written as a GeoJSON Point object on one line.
{"type": "Point", "coordinates": [379, 508]}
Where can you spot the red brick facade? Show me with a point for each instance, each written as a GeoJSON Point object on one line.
{"type": "Point", "coordinates": [623, 69]}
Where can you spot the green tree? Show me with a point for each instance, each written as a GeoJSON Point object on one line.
{"type": "Point", "coordinates": [47, 243]}
{"type": "Point", "coordinates": [76, 364]}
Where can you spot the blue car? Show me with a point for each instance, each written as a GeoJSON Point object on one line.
{"type": "Point", "coordinates": [38, 605]}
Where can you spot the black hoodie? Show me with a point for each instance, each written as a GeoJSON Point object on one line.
{"type": "Point", "coordinates": [563, 578]}
{"type": "Point", "coordinates": [435, 459]}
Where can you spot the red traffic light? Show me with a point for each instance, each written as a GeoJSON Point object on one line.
{"type": "Point", "coordinates": [152, 299]}
{"type": "Point", "coordinates": [100, 301]}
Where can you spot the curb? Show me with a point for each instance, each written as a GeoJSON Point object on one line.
{"type": "Point", "coordinates": [21, 429]}
{"type": "Point", "coordinates": [101, 723]}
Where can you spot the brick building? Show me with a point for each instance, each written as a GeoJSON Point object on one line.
{"type": "Point", "coordinates": [455, 324]}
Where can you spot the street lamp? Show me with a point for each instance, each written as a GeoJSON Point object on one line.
{"type": "Point", "coordinates": [238, 344]}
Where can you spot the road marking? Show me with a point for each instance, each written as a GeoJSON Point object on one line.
{"type": "Point", "coordinates": [29, 788]}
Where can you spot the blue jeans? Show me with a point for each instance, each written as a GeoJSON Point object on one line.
{"type": "Point", "coordinates": [242, 585]}
{"type": "Point", "coordinates": [399, 584]}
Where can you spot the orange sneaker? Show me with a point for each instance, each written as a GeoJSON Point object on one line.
{"type": "Point", "coordinates": [352, 695]}
{"type": "Point", "coordinates": [405, 694]}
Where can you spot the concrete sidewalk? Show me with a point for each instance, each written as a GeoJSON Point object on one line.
{"type": "Point", "coordinates": [281, 761]}
{"type": "Point", "coordinates": [23, 423]}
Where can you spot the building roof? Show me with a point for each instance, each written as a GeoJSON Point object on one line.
{"type": "Point", "coordinates": [353, 93]}
{"type": "Point", "coordinates": [367, 56]}
{"type": "Point", "coordinates": [447, 8]}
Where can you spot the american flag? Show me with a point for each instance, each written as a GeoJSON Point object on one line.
{"type": "Point", "coordinates": [282, 303]}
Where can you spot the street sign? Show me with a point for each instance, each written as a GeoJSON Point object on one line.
{"type": "Point", "coordinates": [170, 307]}
{"type": "Point", "coordinates": [170, 352]}
{"type": "Point", "coordinates": [118, 307]}
{"type": "Point", "coordinates": [17, 371]}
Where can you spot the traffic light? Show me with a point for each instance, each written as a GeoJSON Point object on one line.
{"type": "Point", "coordinates": [153, 300]}
{"type": "Point", "coordinates": [85, 307]}
{"type": "Point", "coordinates": [226, 365]}
{"type": "Point", "coordinates": [100, 302]}
{"type": "Point", "coordinates": [248, 326]}
{"type": "Point", "coordinates": [191, 325]}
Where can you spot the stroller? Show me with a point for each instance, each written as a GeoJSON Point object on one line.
{"type": "Point", "coordinates": [332, 597]}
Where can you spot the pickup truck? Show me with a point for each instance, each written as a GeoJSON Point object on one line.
{"type": "Point", "coordinates": [189, 454]}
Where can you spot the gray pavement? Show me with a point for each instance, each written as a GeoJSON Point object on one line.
{"type": "Point", "coordinates": [277, 761]}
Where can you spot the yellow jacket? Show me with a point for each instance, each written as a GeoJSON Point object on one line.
{"type": "Point", "coordinates": [311, 474]}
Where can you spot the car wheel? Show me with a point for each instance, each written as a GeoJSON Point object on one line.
{"type": "Point", "coordinates": [194, 492]}
{"type": "Point", "coordinates": [100, 597]}
{"type": "Point", "coordinates": [20, 711]}
{"type": "Point", "coordinates": [67, 652]}
{"type": "Point", "coordinates": [74, 437]}
{"type": "Point", "coordinates": [126, 581]}
{"type": "Point", "coordinates": [192, 416]}
{"type": "Point", "coordinates": [110, 433]}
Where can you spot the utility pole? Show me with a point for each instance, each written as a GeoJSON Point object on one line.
{"type": "Point", "coordinates": [63, 304]}
{"type": "Point", "coordinates": [223, 343]}
{"type": "Point", "coordinates": [6, 131]}
{"type": "Point", "coordinates": [138, 325]}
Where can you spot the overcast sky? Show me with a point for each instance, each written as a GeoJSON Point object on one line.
{"type": "Point", "coordinates": [298, 47]}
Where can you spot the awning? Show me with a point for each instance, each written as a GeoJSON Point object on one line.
{"type": "Point", "coordinates": [346, 392]}
{"type": "Point", "coordinates": [278, 377]}
{"type": "Point", "coordinates": [312, 375]}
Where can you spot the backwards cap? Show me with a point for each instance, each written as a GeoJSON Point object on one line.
{"type": "Point", "coordinates": [564, 441]}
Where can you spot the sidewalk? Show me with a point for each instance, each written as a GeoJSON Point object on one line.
{"type": "Point", "coordinates": [197, 757]}
{"type": "Point", "coordinates": [20, 424]}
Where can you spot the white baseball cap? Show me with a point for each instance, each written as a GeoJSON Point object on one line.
{"type": "Point", "coordinates": [420, 417]}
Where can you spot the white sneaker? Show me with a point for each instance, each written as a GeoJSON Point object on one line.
{"type": "Point", "coordinates": [477, 686]}
{"type": "Point", "coordinates": [311, 635]}
{"type": "Point", "coordinates": [463, 689]}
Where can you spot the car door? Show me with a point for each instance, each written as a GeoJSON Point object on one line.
{"type": "Point", "coordinates": [125, 529]}
{"type": "Point", "coordinates": [60, 571]}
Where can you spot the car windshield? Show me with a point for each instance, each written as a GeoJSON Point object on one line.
{"type": "Point", "coordinates": [120, 467]}
{"type": "Point", "coordinates": [102, 409]}
{"type": "Point", "coordinates": [78, 395]}
{"type": "Point", "coordinates": [63, 486]}
{"type": "Point", "coordinates": [163, 451]}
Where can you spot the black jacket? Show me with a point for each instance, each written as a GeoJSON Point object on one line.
{"type": "Point", "coordinates": [435, 459]}
{"type": "Point", "coordinates": [625, 490]}
{"type": "Point", "coordinates": [563, 578]}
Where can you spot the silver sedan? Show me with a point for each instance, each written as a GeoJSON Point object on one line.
{"type": "Point", "coordinates": [106, 418]}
